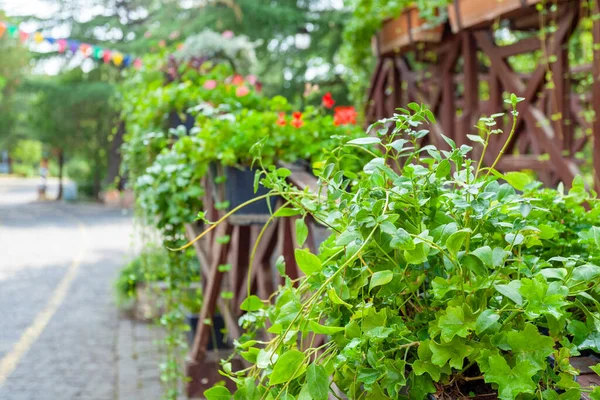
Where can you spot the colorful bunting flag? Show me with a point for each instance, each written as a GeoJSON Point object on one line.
{"type": "Point", "coordinates": [62, 45]}
{"type": "Point", "coordinates": [97, 53]}
{"type": "Point", "coordinates": [74, 46]}
{"type": "Point", "coordinates": [86, 49]}
{"type": "Point", "coordinates": [107, 56]}
{"type": "Point", "coordinates": [117, 58]}
{"type": "Point", "coordinates": [12, 31]}
{"type": "Point", "coordinates": [38, 37]}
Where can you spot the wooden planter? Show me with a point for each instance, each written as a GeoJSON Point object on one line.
{"type": "Point", "coordinates": [409, 28]}
{"type": "Point", "coordinates": [467, 13]}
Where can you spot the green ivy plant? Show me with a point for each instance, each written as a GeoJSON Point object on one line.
{"type": "Point", "coordinates": [442, 277]}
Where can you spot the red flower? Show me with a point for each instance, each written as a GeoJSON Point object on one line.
{"type": "Point", "coordinates": [281, 119]}
{"type": "Point", "coordinates": [344, 116]}
{"type": "Point", "coordinates": [242, 91]}
{"type": "Point", "coordinates": [297, 119]}
{"type": "Point", "coordinates": [210, 84]}
{"type": "Point", "coordinates": [237, 80]}
{"type": "Point", "coordinates": [327, 100]}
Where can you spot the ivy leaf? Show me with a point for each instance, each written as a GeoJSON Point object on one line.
{"type": "Point", "coordinates": [485, 254]}
{"type": "Point", "coordinates": [596, 369]}
{"type": "Point", "coordinates": [543, 298]}
{"type": "Point", "coordinates": [418, 255]}
{"type": "Point", "coordinates": [366, 140]}
{"type": "Point", "coordinates": [443, 169]}
{"type": "Point", "coordinates": [592, 342]}
{"type": "Point", "coordinates": [308, 262]}
{"type": "Point", "coordinates": [217, 393]}
{"type": "Point", "coordinates": [324, 329]}
{"type": "Point", "coordinates": [456, 240]}
{"type": "Point", "coordinates": [286, 212]}
{"type": "Point", "coordinates": [318, 382]}
{"type": "Point", "coordinates": [595, 231]}
{"type": "Point", "coordinates": [252, 303]}
{"type": "Point", "coordinates": [333, 296]}
{"type": "Point", "coordinates": [395, 377]}
{"type": "Point", "coordinates": [380, 278]}
{"type": "Point", "coordinates": [453, 353]}
{"type": "Point", "coordinates": [511, 290]}
{"type": "Point", "coordinates": [453, 323]}
{"type": "Point", "coordinates": [290, 365]}
{"type": "Point", "coordinates": [518, 180]}
{"type": "Point", "coordinates": [485, 320]}
{"type": "Point", "coordinates": [402, 240]}
{"type": "Point", "coordinates": [301, 232]}
{"type": "Point", "coordinates": [530, 346]}
{"type": "Point", "coordinates": [595, 394]}
{"type": "Point", "coordinates": [372, 165]}
{"type": "Point", "coordinates": [424, 364]}
{"type": "Point", "coordinates": [511, 381]}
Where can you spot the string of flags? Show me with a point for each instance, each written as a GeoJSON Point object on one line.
{"type": "Point", "coordinates": [63, 45]}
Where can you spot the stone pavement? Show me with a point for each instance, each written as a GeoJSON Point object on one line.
{"type": "Point", "coordinates": [61, 336]}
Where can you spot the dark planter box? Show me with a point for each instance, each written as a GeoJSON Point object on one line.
{"type": "Point", "coordinates": [216, 337]}
{"type": "Point", "coordinates": [238, 188]}
{"type": "Point", "coordinates": [175, 121]}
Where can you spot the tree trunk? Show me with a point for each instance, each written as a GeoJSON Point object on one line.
{"type": "Point", "coordinates": [61, 163]}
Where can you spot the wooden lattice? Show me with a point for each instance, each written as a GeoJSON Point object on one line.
{"type": "Point", "coordinates": [448, 76]}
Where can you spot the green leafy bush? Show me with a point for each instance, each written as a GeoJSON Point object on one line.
{"type": "Point", "coordinates": [439, 278]}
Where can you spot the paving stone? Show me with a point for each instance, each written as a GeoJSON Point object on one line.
{"type": "Point", "coordinates": [86, 351]}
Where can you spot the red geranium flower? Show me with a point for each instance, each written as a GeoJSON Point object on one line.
{"type": "Point", "coordinates": [297, 119]}
{"type": "Point", "coordinates": [281, 119]}
{"type": "Point", "coordinates": [344, 116]}
{"type": "Point", "coordinates": [327, 100]}
{"type": "Point", "coordinates": [242, 91]}
{"type": "Point", "coordinates": [237, 80]}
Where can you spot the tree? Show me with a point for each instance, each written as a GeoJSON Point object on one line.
{"type": "Point", "coordinates": [14, 61]}
{"type": "Point", "coordinates": [280, 26]}
{"type": "Point", "coordinates": [73, 114]}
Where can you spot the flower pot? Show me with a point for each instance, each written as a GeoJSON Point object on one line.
{"type": "Point", "coordinates": [175, 121]}
{"type": "Point", "coordinates": [237, 189]}
{"type": "Point", "coordinates": [464, 14]}
{"type": "Point", "coordinates": [409, 28]}
{"type": "Point", "coordinates": [216, 336]}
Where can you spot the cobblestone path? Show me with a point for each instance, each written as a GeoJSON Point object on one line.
{"type": "Point", "coordinates": [61, 336]}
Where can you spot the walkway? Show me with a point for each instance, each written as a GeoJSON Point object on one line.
{"type": "Point", "coordinates": [61, 337]}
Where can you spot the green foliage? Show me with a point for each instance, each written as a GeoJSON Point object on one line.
{"type": "Point", "coordinates": [366, 20]}
{"type": "Point", "coordinates": [433, 279]}
{"type": "Point", "coordinates": [146, 267]}
{"type": "Point", "coordinates": [27, 152]}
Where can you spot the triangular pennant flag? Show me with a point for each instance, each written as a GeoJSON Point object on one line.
{"type": "Point", "coordinates": [62, 45]}
{"type": "Point", "coordinates": [23, 35]}
{"type": "Point", "coordinates": [97, 52]}
{"type": "Point", "coordinates": [2, 28]}
{"type": "Point", "coordinates": [50, 40]}
{"type": "Point", "coordinates": [117, 58]}
{"type": "Point", "coordinates": [126, 61]}
{"type": "Point", "coordinates": [137, 64]}
{"type": "Point", "coordinates": [106, 56]}
{"type": "Point", "coordinates": [85, 49]}
{"type": "Point", "coordinates": [73, 45]}
{"type": "Point", "coordinates": [12, 30]}
{"type": "Point", "coordinates": [38, 37]}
